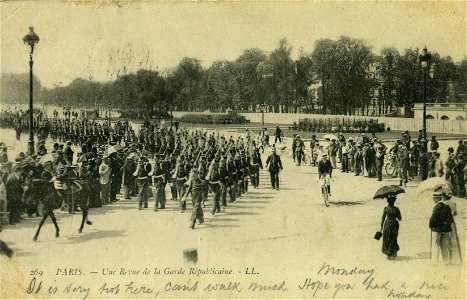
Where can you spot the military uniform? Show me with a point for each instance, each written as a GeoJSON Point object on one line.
{"type": "Point", "coordinates": [142, 180]}
{"type": "Point", "coordinates": [181, 176]}
{"type": "Point", "coordinates": [232, 171]}
{"type": "Point", "coordinates": [159, 183]}
{"type": "Point", "coordinates": [215, 185]}
{"type": "Point", "coordinates": [225, 181]}
{"type": "Point", "coordinates": [198, 186]}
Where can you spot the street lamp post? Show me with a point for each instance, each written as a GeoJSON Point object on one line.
{"type": "Point", "coordinates": [31, 39]}
{"type": "Point", "coordinates": [425, 61]}
{"type": "Point", "coordinates": [263, 106]}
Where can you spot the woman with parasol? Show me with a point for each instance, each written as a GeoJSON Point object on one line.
{"type": "Point", "coordinates": [390, 220]}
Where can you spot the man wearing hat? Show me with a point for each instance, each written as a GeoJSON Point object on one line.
{"type": "Point", "coordinates": [460, 147]}
{"type": "Point", "coordinates": [459, 176]}
{"type": "Point", "coordinates": [14, 193]}
{"type": "Point", "coordinates": [313, 145]}
{"type": "Point", "coordinates": [403, 160]}
{"type": "Point", "coordinates": [160, 177]}
{"type": "Point", "coordinates": [414, 159]}
{"type": "Point", "coordinates": [214, 179]}
{"type": "Point", "coordinates": [224, 179]}
{"type": "Point", "coordinates": [3, 155]}
{"type": "Point", "coordinates": [379, 159]}
{"type": "Point", "coordinates": [68, 153]}
{"type": "Point", "coordinates": [440, 223]}
{"type": "Point", "coordinates": [434, 145]}
{"type": "Point", "coordinates": [358, 159]}
{"type": "Point", "coordinates": [333, 149]}
{"type": "Point", "coordinates": [274, 165]}
{"type": "Point", "coordinates": [278, 135]}
{"type": "Point", "coordinates": [197, 185]}
{"type": "Point", "coordinates": [325, 169]}
{"type": "Point", "coordinates": [450, 164]}
{"type": "Point", "coordinates": [299, 149]}
{"type": "Point", "coordinates": [181, 173]}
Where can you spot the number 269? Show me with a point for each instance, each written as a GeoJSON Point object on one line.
{"type": "Point", "coordinates": [36, 272]}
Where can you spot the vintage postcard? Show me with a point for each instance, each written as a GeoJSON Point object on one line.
{"type": "Point", "coordinates": [233, 149]}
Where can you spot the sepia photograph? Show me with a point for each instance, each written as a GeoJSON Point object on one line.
{"type": "Point", "coordinates": [233, 149]}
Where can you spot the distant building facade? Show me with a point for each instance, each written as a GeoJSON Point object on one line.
{"type": "Point", "coordinates": [442, 111]}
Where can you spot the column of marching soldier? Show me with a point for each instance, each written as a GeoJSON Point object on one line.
{"type": "Point", "coordinates": [189, 161]}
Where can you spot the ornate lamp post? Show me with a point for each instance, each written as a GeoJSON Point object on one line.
{"type": "Point", "coordinates": [31, 39]}
{"type": "Point", "coordinates": [425, 62]}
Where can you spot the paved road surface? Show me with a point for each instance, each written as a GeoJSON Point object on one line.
{"type": "Point", "coordinates": [286, 235]}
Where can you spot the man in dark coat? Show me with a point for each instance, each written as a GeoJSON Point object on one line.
{"type": "Point", "coordinates": [440, 223]}
{"type": "Point", "coordinates": [14, 192]}
{"type": "Point", "coordinates": [68, 153]}
{"type": "Point", "coordinates": [129, 167]}
{"type": "Point", "coordinates": [115, 176]}
{"type": "Point", "coordinates": [274, 165]}
{"type": "Point", "coordinates": [278, 135]}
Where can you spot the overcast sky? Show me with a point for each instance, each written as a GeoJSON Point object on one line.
{"type": "Point", "coordinates": [98, 42]}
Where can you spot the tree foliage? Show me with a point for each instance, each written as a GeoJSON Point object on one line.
{"type": "Point", "coordinates": [334, 78]}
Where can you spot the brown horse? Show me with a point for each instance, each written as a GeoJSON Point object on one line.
{"type": "Point", "coordinates": [77, 193]}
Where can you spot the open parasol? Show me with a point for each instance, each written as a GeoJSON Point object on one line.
{"type": "Point", "coordinates": [109, 151]}
{"type": "Point", "coordinates": [330, 136]}
{"type": "Point", "coordinates": [387, 190]}
{"type": "Point", "coordinates": [433, 184]}
{"type": "Point", "coordinates": [49, 157]}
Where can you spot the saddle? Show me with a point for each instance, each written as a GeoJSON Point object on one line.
{"type": "Point", "coordinates": [71, 187]}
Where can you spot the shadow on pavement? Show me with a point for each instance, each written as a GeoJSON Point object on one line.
{"type": "Point", "coordinates": [344, 203]}
{"type": "Point", "coordinates": [257, 201]}
{"type": "Point", "coordinates": [248, 207]}
{"type": "Point", "coordinates": [423, 255]}
{"type": "Point", "coordinates": [209, 225]}
{"type": "Point", "coordinates": [220, 219]}
{"type": "Point", "coordinates": [242, 213]}
{"type": "Point", "coordinates": [101, 234]}
{"type": "Point", "coordinates": [407, 258]}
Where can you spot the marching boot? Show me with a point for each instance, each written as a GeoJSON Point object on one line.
{"type": "Point", "coordinates": [400, 182]}
{"type": "Point", "coordinates": [192, 226]}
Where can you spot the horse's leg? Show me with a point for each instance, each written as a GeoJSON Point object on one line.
{"type": "Point", "coordinates": [86, 206]}
{"type": "Point", "coordinates": [85, 215]}
{"type": "Point", "coordinates": [44, 217]}
{"type": "Point", "coordinates": [54, 220]}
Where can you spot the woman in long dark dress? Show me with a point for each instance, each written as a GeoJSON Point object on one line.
{"type": "Point", "coordinates": [390, 227]}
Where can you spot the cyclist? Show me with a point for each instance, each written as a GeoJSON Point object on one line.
{"type": "Point", "coordinates": [324, 170]}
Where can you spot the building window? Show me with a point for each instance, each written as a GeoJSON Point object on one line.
{"type": "Point", "coordinates": [445, 118]}
{"type": "Point", "coordinates": [460, 118]}
{"type": "Point", "coordinates": [429, 117]}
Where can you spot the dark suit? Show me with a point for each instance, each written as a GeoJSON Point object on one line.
{"type": "Point", "coordinates": [440, 223]}
{"type": "Point", "coordinates": [274, 164]}
{"type": "Point", "coordinates": [14, 193]}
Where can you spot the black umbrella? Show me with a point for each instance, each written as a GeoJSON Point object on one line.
{"type": "Point", "coordinates": [388, 190]}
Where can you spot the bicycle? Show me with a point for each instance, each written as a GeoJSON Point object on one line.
{"type": "Point", "coordinates": [306, 158]}
{"type": "Point", "coordinates": [390, 166]}
{"type": "Point", "coordinates": [286, 152]}
{"type": "Point", "coordinates": [326, 184]}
